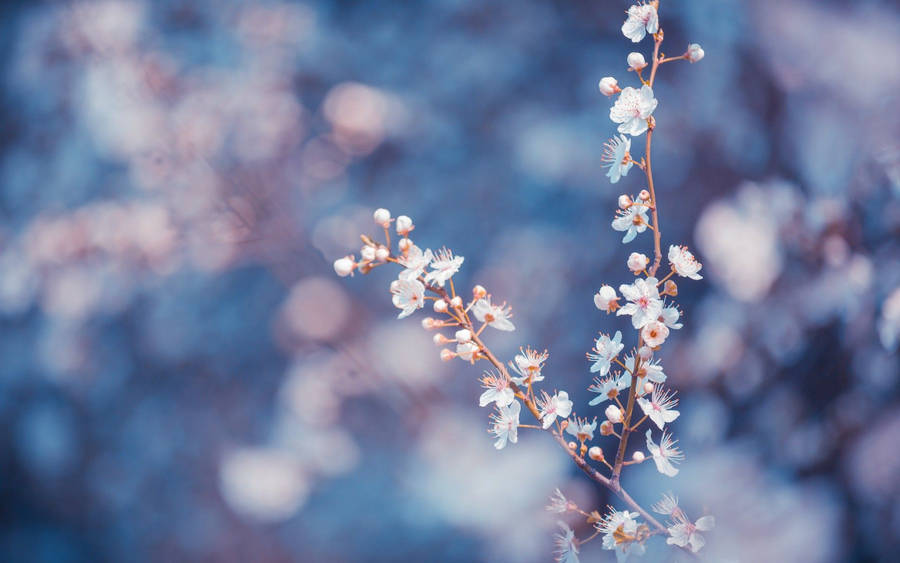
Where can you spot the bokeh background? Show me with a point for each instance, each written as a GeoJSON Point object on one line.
{"type": "Point", "coordinates": [184, 378]}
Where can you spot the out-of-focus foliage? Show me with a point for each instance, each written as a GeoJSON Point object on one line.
{"type": "Point", "coordinates": [183, 378]}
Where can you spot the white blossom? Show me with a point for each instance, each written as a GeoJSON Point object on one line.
{"type": "Point", "coordinates": [558, 503]}
{"type": "Point", "coordinates": [631, 221]}
{"type": "Point", "coordinates": [497, 390]}
{"type": "Point", "coordinates": [642, 19]}
{"type": "Point", "coordinates": [496, 316]}
{"type": "Point", "coordinates": [644, 302]}
{"type": "Point", "coordinates": [566, 547]}
{"type": "Point", "coordinates": [443, 267]}
{"type": "Point", "coordinates": [558, 405]}
{"type": "Point", "coordinates": [609, 387]}
{"type": "Point", "coordinates": [652, 370]}
{"type": "Point", "coordinates": [670, 315]}
{"type": "Point", "coordinates": [665, 453]}
{"type": "Point", "coordinates": [582, 429]}
{"type": "Point", "coordinates": [528, 364]}
{"type": "Point", "coordinates": [616, 157]}
{"type": "Point", "coordinates": [619, 529]}
{"type": "Point", "coordinates": [632, 110]}
{"type": "Point", "coordinates": [683, 262]}
{"type": "Point", "coordinates": [414, 262]}
{"type": "Point", "coordinates": [654, 334]}
{"type": "Point", "coordinates": [667, 506]}
{"type": "Point", "coordinates": [506, 424]}
{"type": "Point", "coordinates": [685, 534]}
{"type": "Point", "coordinates": [604, 352]}
{"type": "Point", "coordinates": [409, 295]}
{"type": "Point", "coordinates": [659, 408]}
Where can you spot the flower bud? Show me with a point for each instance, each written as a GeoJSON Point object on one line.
{"type": "Point", "coordinates": [645, 352]}
{"type": "Point", "coordinates": [595, 453]}
{"type": "Point", "coordinates": [428, 323]}
{"type": "Point", "coordinates": [638, 456]}
{"type": "Point", "coordinates": [613, 414]}
{"type": "Point", "coordinates": [479, 292]}
{"type": "Point", "coordinates": [404, 245]}
{"type": "Point", "coordinates": [670, 288]}
{"type": "Point", "coordinates": [644, 195]}
{"type": "Point", "coordinates": [463, 335]}
{"type": "Point", "coordinates": [648, 388]}
{"type": "Point", "coordinates": [382, 217]}
{"type": "Point", "coordinates": [404, 225]}
{"type": "Point", "coordinates": [440, 306]}
{"type": "Point", "coordinates": [456, 302]}
{"type": "Point", "coordinates": [654, 334]}
{"type": "Point", "coordinates": [344, 266]}
{"type": "Point", "coordinates": [367, 253]}
{"type": "Point", "coordinates": [625, 201]}
{"type": "Point", "coordinates": [606, 428]}
{"type": "Point", "coordinates": [573, 446]}
{"type": "Point", "coordinates": [637, 262]}
{"type": "Point", "coordinates": [382, 253]}
{"type": "Point", "coordinates": [439, 339]}
{"type": "Point", "coordinates": [605, 299]}
{"type": "Point", "coordinates": [609, 86]}
{"type": "Point", "coordinates": [447, 355]}
{"type": "Point", "coordinates": [636, 61]}
{"type": "Point", "coordinates": [694, 52]}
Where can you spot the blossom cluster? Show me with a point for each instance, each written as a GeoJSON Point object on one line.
{"type": "Point", "coordinates": [627, 380]}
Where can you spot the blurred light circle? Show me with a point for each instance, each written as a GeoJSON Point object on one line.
{"type": "Point", "coordinates": [317, 308]}
{"type": "Point", "coordinates": [263, 483]}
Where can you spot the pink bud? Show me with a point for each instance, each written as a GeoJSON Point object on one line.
{"type": "Point", "coordinates": [440, 306]}
{"type": "Point", "coordinates": [609, 86]}
{"type": "Point", "coordinates": [625, 201]}
{"type": "Point", "coordinates": [638, 456]}
{"type": "Point", "coordinates": [447, 355]}
{"type": "Point", "coordinates": [595, 453]}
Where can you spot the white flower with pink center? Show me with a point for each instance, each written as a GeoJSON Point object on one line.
{"type": "Point", "coordinates": [665, 454]}
{"type": "Point", "coordinates": [644, 302]}
{"type": "Point", "coordinates": [683, 262]}
{"type": "Point", "coordinates": [409, 295]}
{"type": "Point", "coordinates": [558, 405]}
{"type": "Point", "coordinates": [660, 407]}
{"type": "Point", "coordinates": [443, 267]}
{"type": "Point", "coordinates": [497, 390]}
{"type": "Point", "coordinates": [654, 334]}
{"type": "Point", "coordinates": [685, 533]}
{"type": "Point", "coordinates": [642, 19]}
{"type": "Point", "coordinates": [495, 316]}
{"type": "Point", "coordinates": [415, 261]}
{"type": "Point", "coordinates": [632, 110]}
{"type": "Point", "coordinates": [505, 424]}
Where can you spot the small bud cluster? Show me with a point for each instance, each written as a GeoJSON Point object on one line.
{"type": "Point", "coordinates": [629, 380]}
